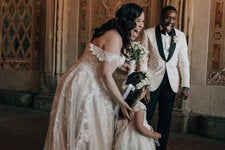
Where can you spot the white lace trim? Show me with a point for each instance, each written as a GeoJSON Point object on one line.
{"type": "Point", "coordinates": [103, 55]}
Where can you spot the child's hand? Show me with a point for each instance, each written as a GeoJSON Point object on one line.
{"type": "Point", "coordinates": [156, 135]}
{"type": "Point", "coordinates": [147, 97]}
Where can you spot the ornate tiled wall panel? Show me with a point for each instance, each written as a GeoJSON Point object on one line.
{"type": "Point", "coordinates": [216, 55]}
{"type": "Point", "coordinates": [19, 38]}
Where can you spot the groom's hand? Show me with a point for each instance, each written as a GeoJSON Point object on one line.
{"type": "Point", "coordinates": [184, 93]}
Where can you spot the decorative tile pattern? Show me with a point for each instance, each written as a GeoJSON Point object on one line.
{"type": "Point", "coordinates": [216, 55]}
{"type": "Point", "coordinates": [19, 26]}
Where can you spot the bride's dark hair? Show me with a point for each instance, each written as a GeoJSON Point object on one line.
{"type": "Point", "coordinates": [123, 22]}
{"type": "Point", "coordinates": [132, 97]}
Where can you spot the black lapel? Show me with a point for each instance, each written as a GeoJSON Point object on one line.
{"type": "Point", "coordinates": [172, 45]}
{"type": "Point", "coordinates": [159, 42]}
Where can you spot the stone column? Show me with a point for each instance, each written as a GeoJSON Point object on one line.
{"type": "Point", "coordinates": [60, 40]}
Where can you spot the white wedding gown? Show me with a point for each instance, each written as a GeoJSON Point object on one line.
{"type": "Point", "coordinates": [128, 138]}
{"type": "Point", "coordinates": [82, 116]}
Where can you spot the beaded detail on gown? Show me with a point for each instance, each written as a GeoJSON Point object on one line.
{"type": "Point", "coordinates": [82, 116]}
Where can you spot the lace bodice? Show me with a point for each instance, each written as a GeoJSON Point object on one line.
{"type": "Point", "coordinates": [94, 55]}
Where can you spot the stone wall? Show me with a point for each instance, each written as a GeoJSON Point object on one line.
{"type": "Point", "coordinates": [206, 99]}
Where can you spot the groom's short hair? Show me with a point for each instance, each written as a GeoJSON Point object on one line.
{"type": "Point", "coordinates": [166, 8]}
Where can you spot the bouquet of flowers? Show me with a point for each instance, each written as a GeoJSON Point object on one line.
{"type": "Point", "coordinates": [137, 50]}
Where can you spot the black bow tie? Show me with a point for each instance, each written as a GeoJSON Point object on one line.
{"type": "Point", "coordinates": [164, 32]}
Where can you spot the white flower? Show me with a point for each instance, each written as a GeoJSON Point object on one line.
{"type": "Point", "coordinates": [136, 51]}
{"type": "Point", "coordinates": [175, 39]}
{"type": "Point", "coordinates": [143, 82]}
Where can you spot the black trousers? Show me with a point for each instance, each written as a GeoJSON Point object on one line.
{"type": "Point", "coordinates": [165, 96]}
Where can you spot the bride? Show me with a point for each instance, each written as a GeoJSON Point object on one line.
{"type": "Point", "coordinates": [81, 116]}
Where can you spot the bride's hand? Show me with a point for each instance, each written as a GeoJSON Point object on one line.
{"type": "Point", "coordinates": [125, 109]}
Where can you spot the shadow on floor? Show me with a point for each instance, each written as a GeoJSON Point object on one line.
{"type": "Point", "coordinates": [25, 129]}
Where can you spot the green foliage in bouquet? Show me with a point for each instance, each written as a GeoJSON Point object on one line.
{"type": "Point", "coordinates": [136, 51]}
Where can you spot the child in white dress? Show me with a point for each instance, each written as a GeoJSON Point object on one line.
{"type": "Point", "coordinates": [136, 134]}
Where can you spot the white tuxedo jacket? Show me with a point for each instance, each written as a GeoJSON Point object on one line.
{"type": "Point", "coordinates": [155, 63]}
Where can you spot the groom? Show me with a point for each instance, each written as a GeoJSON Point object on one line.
{"type": "Point", "coordinates": [166, 62]}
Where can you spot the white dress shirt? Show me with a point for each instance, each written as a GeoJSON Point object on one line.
{"type": "Point", "coordinates": [166, 40]}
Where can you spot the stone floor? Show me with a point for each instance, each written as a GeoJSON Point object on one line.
{"type": "Point", "coordinates": [25, 129]}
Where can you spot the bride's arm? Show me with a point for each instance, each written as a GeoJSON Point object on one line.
{"type": "Point", "coordinates": [112, 43]}
{"type": "Point", "coordinates": [107, 70]}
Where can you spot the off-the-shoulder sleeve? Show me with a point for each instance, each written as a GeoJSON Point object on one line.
{"type": "Point", "coordinates": [139, 106]}
{"type": "Point", "coordinates": [103, 55]}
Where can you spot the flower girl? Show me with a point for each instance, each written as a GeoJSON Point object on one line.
{"type": "Point", "coordinates": [136, 134]}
